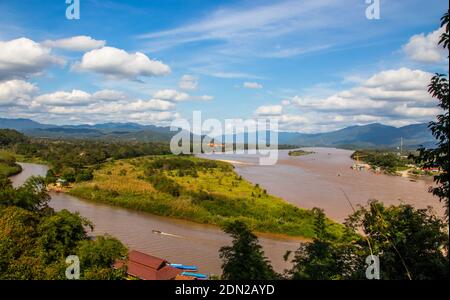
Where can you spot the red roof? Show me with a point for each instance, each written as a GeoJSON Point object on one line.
{"type": "Point", "coordinates": [147, 267]}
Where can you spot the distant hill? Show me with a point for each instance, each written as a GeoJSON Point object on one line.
{"type": "Point", "coordinates": [107, 131]}
{"type": "Point", "coordinates": [366, 136]}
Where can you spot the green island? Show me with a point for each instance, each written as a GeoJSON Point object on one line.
{"type": "Point", "coordinates": [299, 152]}
{"type": "Point", "coordinates": [194, 189]}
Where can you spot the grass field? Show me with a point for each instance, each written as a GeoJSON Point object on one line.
{"type": "Point", "coordinates": [194, 189]}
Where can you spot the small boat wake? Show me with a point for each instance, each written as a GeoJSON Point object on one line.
{"type": "Point", "coordinates": [167, 234]}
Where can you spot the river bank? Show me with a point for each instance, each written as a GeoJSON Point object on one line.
{"type": "Point", "coordinates": [185, 242]}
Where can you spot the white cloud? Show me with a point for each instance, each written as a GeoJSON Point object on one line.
{"type": "Point", "coordinates": [377, 92]}
{"type": "Point", "coordinates": [75, 97]}
{"type": "Point", "coordinates": [16, 92]}
{"type": "Point", "coordinates": [171, 95]}
{"type": "Point", "coordinates": [252, 85]}
{"type": "Point", "coordinates": [396, 97]}
{"type": "Point", "coordinates": [23, 57]}
{"type": "Point", "coordinates": [79, 43]}
{"type": "Point", "coordinates": [269, 110]}
{"type": "Point", "coordinates": [188, 82]}
{"type": "Point", "coordinates": [153, 104]}
{"type": "Point", "coordinates": [109, 95]}
{"type": "Point", "coordinates": [425, 49]}
{"type": "Point", "coordinates": [78, 98]}
{"type": "Point", "coordinates": [117, 63]}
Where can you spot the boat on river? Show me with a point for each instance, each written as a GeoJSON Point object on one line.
{"type": "Point", "coordinates": [196, 275]}
{"type": "Point", "coordinates": [184, 267]}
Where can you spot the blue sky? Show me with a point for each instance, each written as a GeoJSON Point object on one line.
{"type": "Point", "coordinates": [314, 65]}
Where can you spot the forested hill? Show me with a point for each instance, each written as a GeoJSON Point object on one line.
{"type": "Point", "coordinates": [366, 136]}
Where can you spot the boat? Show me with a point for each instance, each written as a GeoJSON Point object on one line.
{"type": "Point", "coordinates": [196, 275]}
{"type": "Point", "coordinates": [156, 231]}
{"type": "Point", "coordinates": [184, 267]}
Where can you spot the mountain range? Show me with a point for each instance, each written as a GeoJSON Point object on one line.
{"type": "Point", "coordinates": [365, 136]}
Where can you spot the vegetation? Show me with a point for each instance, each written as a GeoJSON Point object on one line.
{"type": "Point", "coordinates": [299, 152]}
{"type": "Point", "coordinates": [387, 161]}
{"type": "Point", "coordinates": [8, 165]}
{"type": "Point", "coordinates": [244, 259]}
{"type": "Point", "coordinates": [35, 240]}
{"type": "Point", "coordinates": [194, 189]}
{"type": "Point", "coordinates": [410, 244]}
{"type": "Point", "coordinates": [439, 156]}
{"type": "Point", "coordinates": [74, 160]}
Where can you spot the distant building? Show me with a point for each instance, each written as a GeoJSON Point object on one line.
{"type": "Point", "coordinates": [61, 182]}
{"type": "Point", "coordinates": [360, 167]}
{"type": "Point", "coordinates": [147, 267]}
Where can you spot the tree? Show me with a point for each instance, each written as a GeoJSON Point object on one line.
{"type": "Point", "coordinates": [245, 259]}
{"type": "Point", "coordinates": [439, 156]}
{"type": "Point", "coordinates": [97, 257]}
{"type": "Point", "coordinates": [411, 243]}
{"type": "Point", "coordinates": [31, 195]}
{"type": "Point", "coordinates": [35, 240]}
{"type": "Point", "coordinates": [326, 257]}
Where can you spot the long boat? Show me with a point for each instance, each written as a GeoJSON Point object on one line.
{"type": "Point", "coordinates": [184, 267]}
{"type": "Point", "coordinates": [196, 275]}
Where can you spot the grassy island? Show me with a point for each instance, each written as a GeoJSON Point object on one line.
{"type": "Point", "coordinates": [299, 152]}
{"type": "Point", "coordinates": [194, 189]}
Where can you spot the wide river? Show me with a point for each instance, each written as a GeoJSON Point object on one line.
{"type": "Point", "coordinates": [181, 242]}
{"type": "Point", "coordinates": [325, 179]}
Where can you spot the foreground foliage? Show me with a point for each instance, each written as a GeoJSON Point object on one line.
{"type": "Point", "coordinates": [439, 156]}
{"type": "Point", "coordinates": [244, 259]}
{"type": "Point", "coordinates": [410, 243]}
{"type": "Point", "coordinates": [35, 240]}
{"type": "Point", "coordinates": [8, 165]}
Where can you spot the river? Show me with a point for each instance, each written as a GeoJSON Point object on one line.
{"type": "Point", "coordinates": [325, 179]}
{"type": "Point", "coordinates": [182, 242]}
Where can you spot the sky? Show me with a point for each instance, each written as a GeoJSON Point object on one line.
{"type": "Point", "coordinates": [314, 65]}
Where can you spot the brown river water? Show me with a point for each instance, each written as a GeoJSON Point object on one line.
{"type": "Point", "coordinates": [325, 179]}
{"type": "Point", "coordinates": [181, 242]}
{"type": "Point", "coordinates": [322, 179]}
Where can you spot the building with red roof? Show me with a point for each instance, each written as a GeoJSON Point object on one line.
{"type": "Point", "coordinates": [147, 267]}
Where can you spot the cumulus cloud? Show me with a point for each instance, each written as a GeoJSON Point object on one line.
{"type": "Point", "coordinates": [78, 98]}
{"type": "Point", "coordinates": [381, 90]}
{"type": "Point", "coordinates": [109, 95]}
{"type": "Point", "coordinates": [79, 43]}
{"type": "Point", "coordinates": [75, 97]}
{"type": "Point", "coordinates": [188, 82]}
{"type": "Point", "coordinates": [152, 104]}
{"type": "Point", "coordinates": [23, 57]}
{"type": "Point", "coordinates": [171, 95]}
{"type": "Point", "coordinates": [117, 63]}
{"type": "Point", "coordinates": [16, 92]}
{"type": "Point", "coordinates": [269, 110]}
{"type": "Point", "coordinates": [425, 49]}
{"type": "Point", "coordinates": [396, 97]}
{"type": "Point", "coordinates": [252, 85]}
